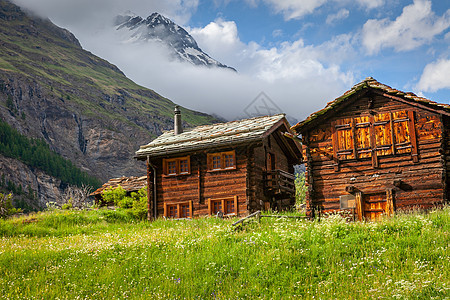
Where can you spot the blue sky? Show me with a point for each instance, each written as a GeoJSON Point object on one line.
{"type": "Point", "coordinates": [259, 21]}
{"type": "Point", "coordinates": [300, 53]}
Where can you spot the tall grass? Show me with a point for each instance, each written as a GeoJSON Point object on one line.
{"type": "Point", "coordinates": [103, 255]}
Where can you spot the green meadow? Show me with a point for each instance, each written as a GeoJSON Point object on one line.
{"type": "Point", "coordinates": [106, 254]}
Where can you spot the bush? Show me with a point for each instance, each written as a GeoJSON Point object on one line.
{"type": "Point", "coordinates": [6, 207]}
{"type": "Point", "coordinates": [139, 209]}
{"type": "Point", "coordinates": [111, 195]}
{"type": "Point", "coordinates": [300, 189]}
{"type": "Point", "coordinates": [136, 202]}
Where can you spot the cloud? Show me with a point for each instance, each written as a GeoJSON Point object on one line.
{"type": "Point", "coordinates": [297, 9]}
{"type": "Point", "coordinates": [88, 14]}
{"type": "Point", "coordinates": [340, 15]}
{"type": "Point", "coordinates": [370, 4]}
{"type": "Point", "coordinates": [293, 74]}
{"type": "Point", "coordinates": [435, 76]}
{"type": "Point", "coordinates": [294, 9]}
{"type": "Point", "coordinates": [277, 33]}
{"type": "Point", "coordinates": [416, 26]}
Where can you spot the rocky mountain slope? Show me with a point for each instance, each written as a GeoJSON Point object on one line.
{"type": "Point", "coordinates": [81, 105]}
{"type": "Point", "coordinates": [157, 28]}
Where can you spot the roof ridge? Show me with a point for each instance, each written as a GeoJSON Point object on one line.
{"type": "Point", "coordinates": [369, 82]}
{"type": "Point", "coordinates": [200, 138]}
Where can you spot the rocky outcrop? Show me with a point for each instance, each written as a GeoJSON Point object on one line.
{"type": "Point", "coordinates": [46, 188]}
{"type": "Point", "coordinates": [84, 108]}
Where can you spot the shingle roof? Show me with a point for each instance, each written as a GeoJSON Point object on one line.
{"type": "Point", "coordinates": [215, 135]}
{"type": "Point", "coordinates": [371, 83]}
{"type": "Point", "coordinates": [129, 184]}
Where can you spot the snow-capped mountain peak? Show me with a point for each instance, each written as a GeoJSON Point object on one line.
{"type": "Point", "coordinates": [157, 27]}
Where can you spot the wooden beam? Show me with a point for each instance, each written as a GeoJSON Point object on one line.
{"type": "Point", "coordinates": [149, 190]}
{"type": "Point", "coordinates": [334, 139]}
{"type": "Point", "coordinates": [330, 112]}
{"type": "Point", "coordinates": [359, 206]}
{"type": "Point", "coordinates": [373, 143]}
{"type": "Point", "coordinates": [412, 134]}
{"type": "Point", "coordinates": [390, 202]}
{"type": "Point", "coordinates": [412, 103]}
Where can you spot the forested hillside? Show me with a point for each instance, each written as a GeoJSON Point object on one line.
{"type": "Point", "coordinates": [84, 108]}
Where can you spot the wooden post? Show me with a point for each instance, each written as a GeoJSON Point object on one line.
{"type": "Point", "coordinates": [390, 202]}
{"type": "Point", "coordinates": [373, 143]}
{"type": "Point", "coordinates": [391, 121]}
{"type": "Point", "coordinates": [335, 143]}
{"type": "Point", "coordinates": [149, 190]}
{"type": "Point", "coordinates": [412, 134]}
{"type": "Point", "coordinates": [359, 205]}
{"type": "Point", "coordinates": [199, 165]}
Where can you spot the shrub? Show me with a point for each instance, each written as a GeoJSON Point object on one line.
{"type": "Point", "coordinates": [136, 202]}
{"type": "Point", "coordinates": [139, 209]}
{"type": "Point", "coordinates": [6, 207]}
{"type": "Point", "coordinates": [300, 190]}
{"type": "Point", "coordinates": [113, 195]}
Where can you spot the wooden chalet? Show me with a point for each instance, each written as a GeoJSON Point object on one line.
{"type": "Point", "coordinates": [129, 184]}
{"type": "Point", "coordinates": [229, 168]}
{"type": "Point", "coordinates": [377, 149]}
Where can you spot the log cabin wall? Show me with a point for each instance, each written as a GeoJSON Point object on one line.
{"type": "Point", "coordinates": [446, 155]}
{"type": "Point", "coordinates": [413, 180]}
{"type": "Point", "coordinates": [213, 184]}
{"type": "Point", "coordinates": [268, 156]}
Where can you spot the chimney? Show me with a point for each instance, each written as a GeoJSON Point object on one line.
{"type": "Point", "coordinates": [178, 128]}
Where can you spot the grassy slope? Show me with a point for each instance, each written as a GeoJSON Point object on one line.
{"type": "Point", "coordinates": [101, 255]}
{"type": "Point", "coordinates": [31, 49]}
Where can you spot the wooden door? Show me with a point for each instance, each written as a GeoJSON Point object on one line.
{"type": "Point", "coordinates": [374, 206]}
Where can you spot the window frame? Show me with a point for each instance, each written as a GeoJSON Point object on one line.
{"type": "Point", "coordinates": [178, 161]}
{"type": "Point", "coordinates": [223, 202]}
{"type": "Point", "coordinates": [221, 155]}
{"type": "Point", "coordinates": [178, 205]}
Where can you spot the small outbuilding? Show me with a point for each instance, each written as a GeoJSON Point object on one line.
{"type": "Point", "coordinates": [376, 149]}
{"type": "Point", "coordinates": [229, 168]}
{"type": "Point", "coordinates": [129, 184]}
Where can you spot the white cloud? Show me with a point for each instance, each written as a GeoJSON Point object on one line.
{"type": "Point", "coordinates": [295, 9]}
{"type": "Point", "coordinates": [416, 26]}
{"type": "Point", "coordinates": [87, 14]}
{"type": "Point", "coordinates": [292, 74]}
{"type": "Point", "coordinates": [277, 33]}
{"type": "Point", "coordinates": [340, 15]}
{"type": "Point", "coordinates": [369, 4]}
{"type": "Point", "coordinates": [435, 76]}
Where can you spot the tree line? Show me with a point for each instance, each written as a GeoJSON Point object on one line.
{"type": "Point", "coordinates": [37, 154]}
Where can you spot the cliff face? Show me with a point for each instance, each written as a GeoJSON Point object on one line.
{"type": "Point", "coordinates": [45, 187]}
{"type": "Point", "coordinates": [86, 109]}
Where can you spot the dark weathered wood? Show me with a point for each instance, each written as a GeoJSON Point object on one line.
{"type": "Point", "coordinates": [256, 214]}
{"type": "Point", "coordinates": [420, 158]}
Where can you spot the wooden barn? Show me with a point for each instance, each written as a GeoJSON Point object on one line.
{"type": "Point", "coordinates": [376, 149]}
{"type": "Point", "coordinates": [230, 168]}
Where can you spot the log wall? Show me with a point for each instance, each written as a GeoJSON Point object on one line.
{"type": "Point", "coordinates": [259, 161]}
{"type": "Point", "coordinates": [201, 184]}
{"type": "Point", "coordinates": [413, 183]}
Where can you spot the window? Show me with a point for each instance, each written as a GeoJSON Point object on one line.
{"type": "Point", "coordinates": [178, 210]}
{"type": "Point", "coordinates": [176, 166]}
{"type": "Point", "coordinates": [221, 161]}
{"type": "Point", "coordinates": [228, 206]}
{"type": "Point", "coordinates": [375, 135]}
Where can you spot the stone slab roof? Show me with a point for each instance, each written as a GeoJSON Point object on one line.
{"type": "Point", "coordinates": [216, 135]}
{"type": "Point", "coordinates": [374, 84]}
{"type": "Point", "coordinates": [129, 184]}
